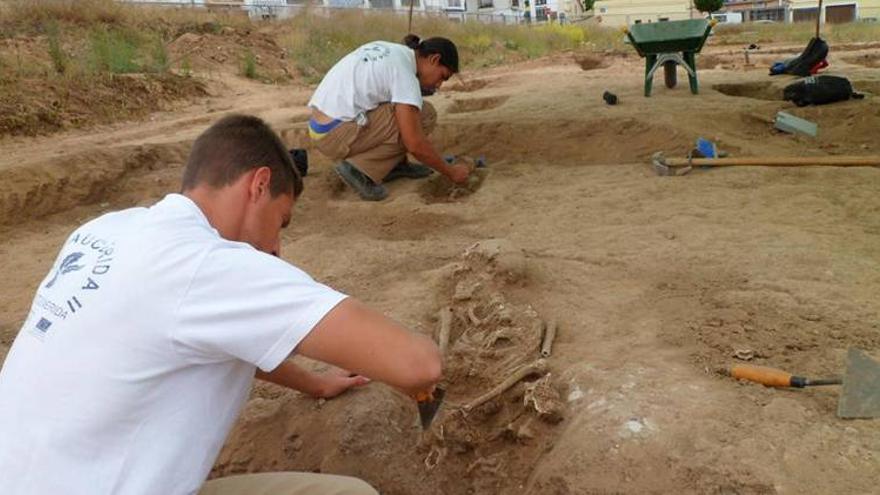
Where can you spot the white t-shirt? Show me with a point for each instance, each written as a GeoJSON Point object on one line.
{"type": "Point", "coordinates": [376, 73]}
{"type": "Point", "coordinates": [140, 350]}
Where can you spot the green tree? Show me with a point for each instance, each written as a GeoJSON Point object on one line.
{"type": "Point", "coordinates": [708, 6]}
{"type": "Point", "coordinates": [588, 5]}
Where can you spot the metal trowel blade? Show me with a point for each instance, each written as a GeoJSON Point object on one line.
{"type": "Point", "coordinates": [428, 408]}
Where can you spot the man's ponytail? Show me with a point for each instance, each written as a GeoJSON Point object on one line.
{"type": "Point", "coordinates": [440, 46]}
{"type": "Point", "coordinates": [412, 41]}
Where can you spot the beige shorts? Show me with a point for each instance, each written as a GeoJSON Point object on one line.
{"type": "Point", "coordinates": [375, 148]}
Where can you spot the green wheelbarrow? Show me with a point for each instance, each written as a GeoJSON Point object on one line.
{"type": "Point", "coordinates": [668, 44]}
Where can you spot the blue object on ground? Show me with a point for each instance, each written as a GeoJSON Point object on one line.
{"type": "Point", "coordinates": [707, 148]}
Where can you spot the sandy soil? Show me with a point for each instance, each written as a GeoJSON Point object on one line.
{"type": "Point", "coordinates": [655, 282]}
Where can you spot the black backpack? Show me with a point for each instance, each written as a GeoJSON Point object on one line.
{"type": "Point", "coordinates": [818, 90]}
{"type": "Point", "coordinates": [815, 52]}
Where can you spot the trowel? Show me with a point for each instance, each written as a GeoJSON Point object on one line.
{"type": "Point", "coordinates": [860, 397]}
{"type": "Point", "coordinates": [429, 404]}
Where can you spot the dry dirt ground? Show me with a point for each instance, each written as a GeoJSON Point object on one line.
{"type": "Point", "coordinates": [655, 282]}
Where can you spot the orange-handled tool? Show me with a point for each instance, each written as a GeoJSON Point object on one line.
{"type": "Point", "coordinates": [773, 377]}
{"type": "Point", "coordinates": [429, 403]}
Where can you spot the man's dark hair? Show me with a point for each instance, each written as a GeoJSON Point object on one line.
{"type": "Point", "coordinates": [234, 145]}
{"type": "Point", "coordinates": [437, 45]}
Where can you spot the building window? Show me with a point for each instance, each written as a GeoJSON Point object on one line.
{"type": "Point", "coordinates": [540, 2]}
{"type": "Point", "coordinates": [485, 4]}
{"type": "Point", "coordinates": [454, 4]}
{"type": "Point", "coordinates": [778, 15]}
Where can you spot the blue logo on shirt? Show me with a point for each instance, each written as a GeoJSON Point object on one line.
{"type": "Point", "coordinates": [43, 325]}
{"type": "Point", "coordinates": [373, 53]}
{"type": "Point", "coordinates": [68, 265]}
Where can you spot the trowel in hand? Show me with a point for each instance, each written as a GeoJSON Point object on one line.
{"type": "Point", "coordinates": [860, 397]}
{"type": "Point", "coordinates": [429, 404]}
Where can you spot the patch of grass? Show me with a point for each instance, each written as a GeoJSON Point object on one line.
{"type": "Point", "coordinates": [249, 65]}
{"type": "Point", "coordinates": [113, 51]}
{"type": "Point", "coordinates": [56, 53]}
{"type": "Point", "coordinates": [854, 32]}
{"type": "Point", "coordinates": [159, 55]}
{"type": "Point", "coordinates": [31, 16]}
{"type": "Point", "coordinates": [316, 42]}
{"type": "Point", "coordinates": [185, 67]}
{"type": "Point", "coordinates": [795, 33]}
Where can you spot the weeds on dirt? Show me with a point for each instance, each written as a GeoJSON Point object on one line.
{"type": "Point", "coordinates": [29, 17]}
{"type": "Point", "coordinates": [797, 33]}
{"type": "Point", "coordinates": [249, 65]}
{"type": "Point", "coordinates": [316, 42]}
{"type": "Point", "coordinates": [113, 51]}
{"type": "Point", "coordinates": [159, 55]}
{"type": "Point", "coordinates": [185, 67]}
{"type": "Point", "coordinates": [56, 53]}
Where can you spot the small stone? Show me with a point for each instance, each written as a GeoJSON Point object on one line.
{"type": "Point", "coordinates": [744, 354]}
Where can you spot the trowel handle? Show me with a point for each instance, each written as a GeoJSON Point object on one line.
{"type": "Point", "coordinates": [773, 377]}
{"type": "Point", "coordinates": [426, 396]}
{"type": "Point", "coordinates": [770, 377]}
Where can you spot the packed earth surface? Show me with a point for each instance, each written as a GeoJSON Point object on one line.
{"type": "Point", "coordinates": [655, 285]}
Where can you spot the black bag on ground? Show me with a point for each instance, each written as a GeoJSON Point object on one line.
{"type": "Point", "coordinates": [818, 90]}
{"type": "Point", "coordinates": [815, 52]}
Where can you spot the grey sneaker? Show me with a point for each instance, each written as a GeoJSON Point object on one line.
{"type": "Point", "coordinates": [365, 187]}
{"type": "Point", "coordinates": [408, 170]}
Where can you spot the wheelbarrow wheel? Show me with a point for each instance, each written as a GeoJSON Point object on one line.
{"type": "Point", "coordinates": [669, 74]}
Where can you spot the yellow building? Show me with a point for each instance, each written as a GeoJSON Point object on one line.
{"type": "Point", "coordinates": [869, 9]}
{"type": "Point", "coordinates": [626, 12]}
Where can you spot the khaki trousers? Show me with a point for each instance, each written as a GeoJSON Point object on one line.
{"type": "Point", "coordinates": [376, 147]}
{"type": "Point", "coordinates": [287, 483]}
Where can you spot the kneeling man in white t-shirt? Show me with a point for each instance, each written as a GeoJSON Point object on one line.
{"type": "Point", "coordinates": [368, 113]}
{"type": "Point", "coordinates": [144, 338]}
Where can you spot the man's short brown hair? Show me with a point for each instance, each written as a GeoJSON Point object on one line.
{"type": "Point", "coordinates": [235, 145]}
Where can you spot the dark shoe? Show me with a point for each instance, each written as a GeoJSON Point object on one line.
{"type": "Point", "coordinates": [408, 170]}
{"type": "Point", "coordinates": [365, 187]}
{"type": "Point", "coordinates": [300, 159]}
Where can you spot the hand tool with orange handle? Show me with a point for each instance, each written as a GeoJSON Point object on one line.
{"type": "Point", "coordinates": [773, 377]}
{"type": "Point", "coordinates": [429, 403]}
{"type": "Point", "coordinates": [860, 397]}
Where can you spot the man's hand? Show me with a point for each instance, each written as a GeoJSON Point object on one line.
{"type": "Point", "coordinates": [459, 172]}
{"type": "Point", "coordinates": [319, 385]}
{"type": "Point", "coordinates": [336, 382]}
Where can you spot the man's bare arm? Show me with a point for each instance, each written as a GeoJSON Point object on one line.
{"type": "Point", "coordinates": [414, 140]}
{"type": "Point", "coordinates": [357, 338]}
